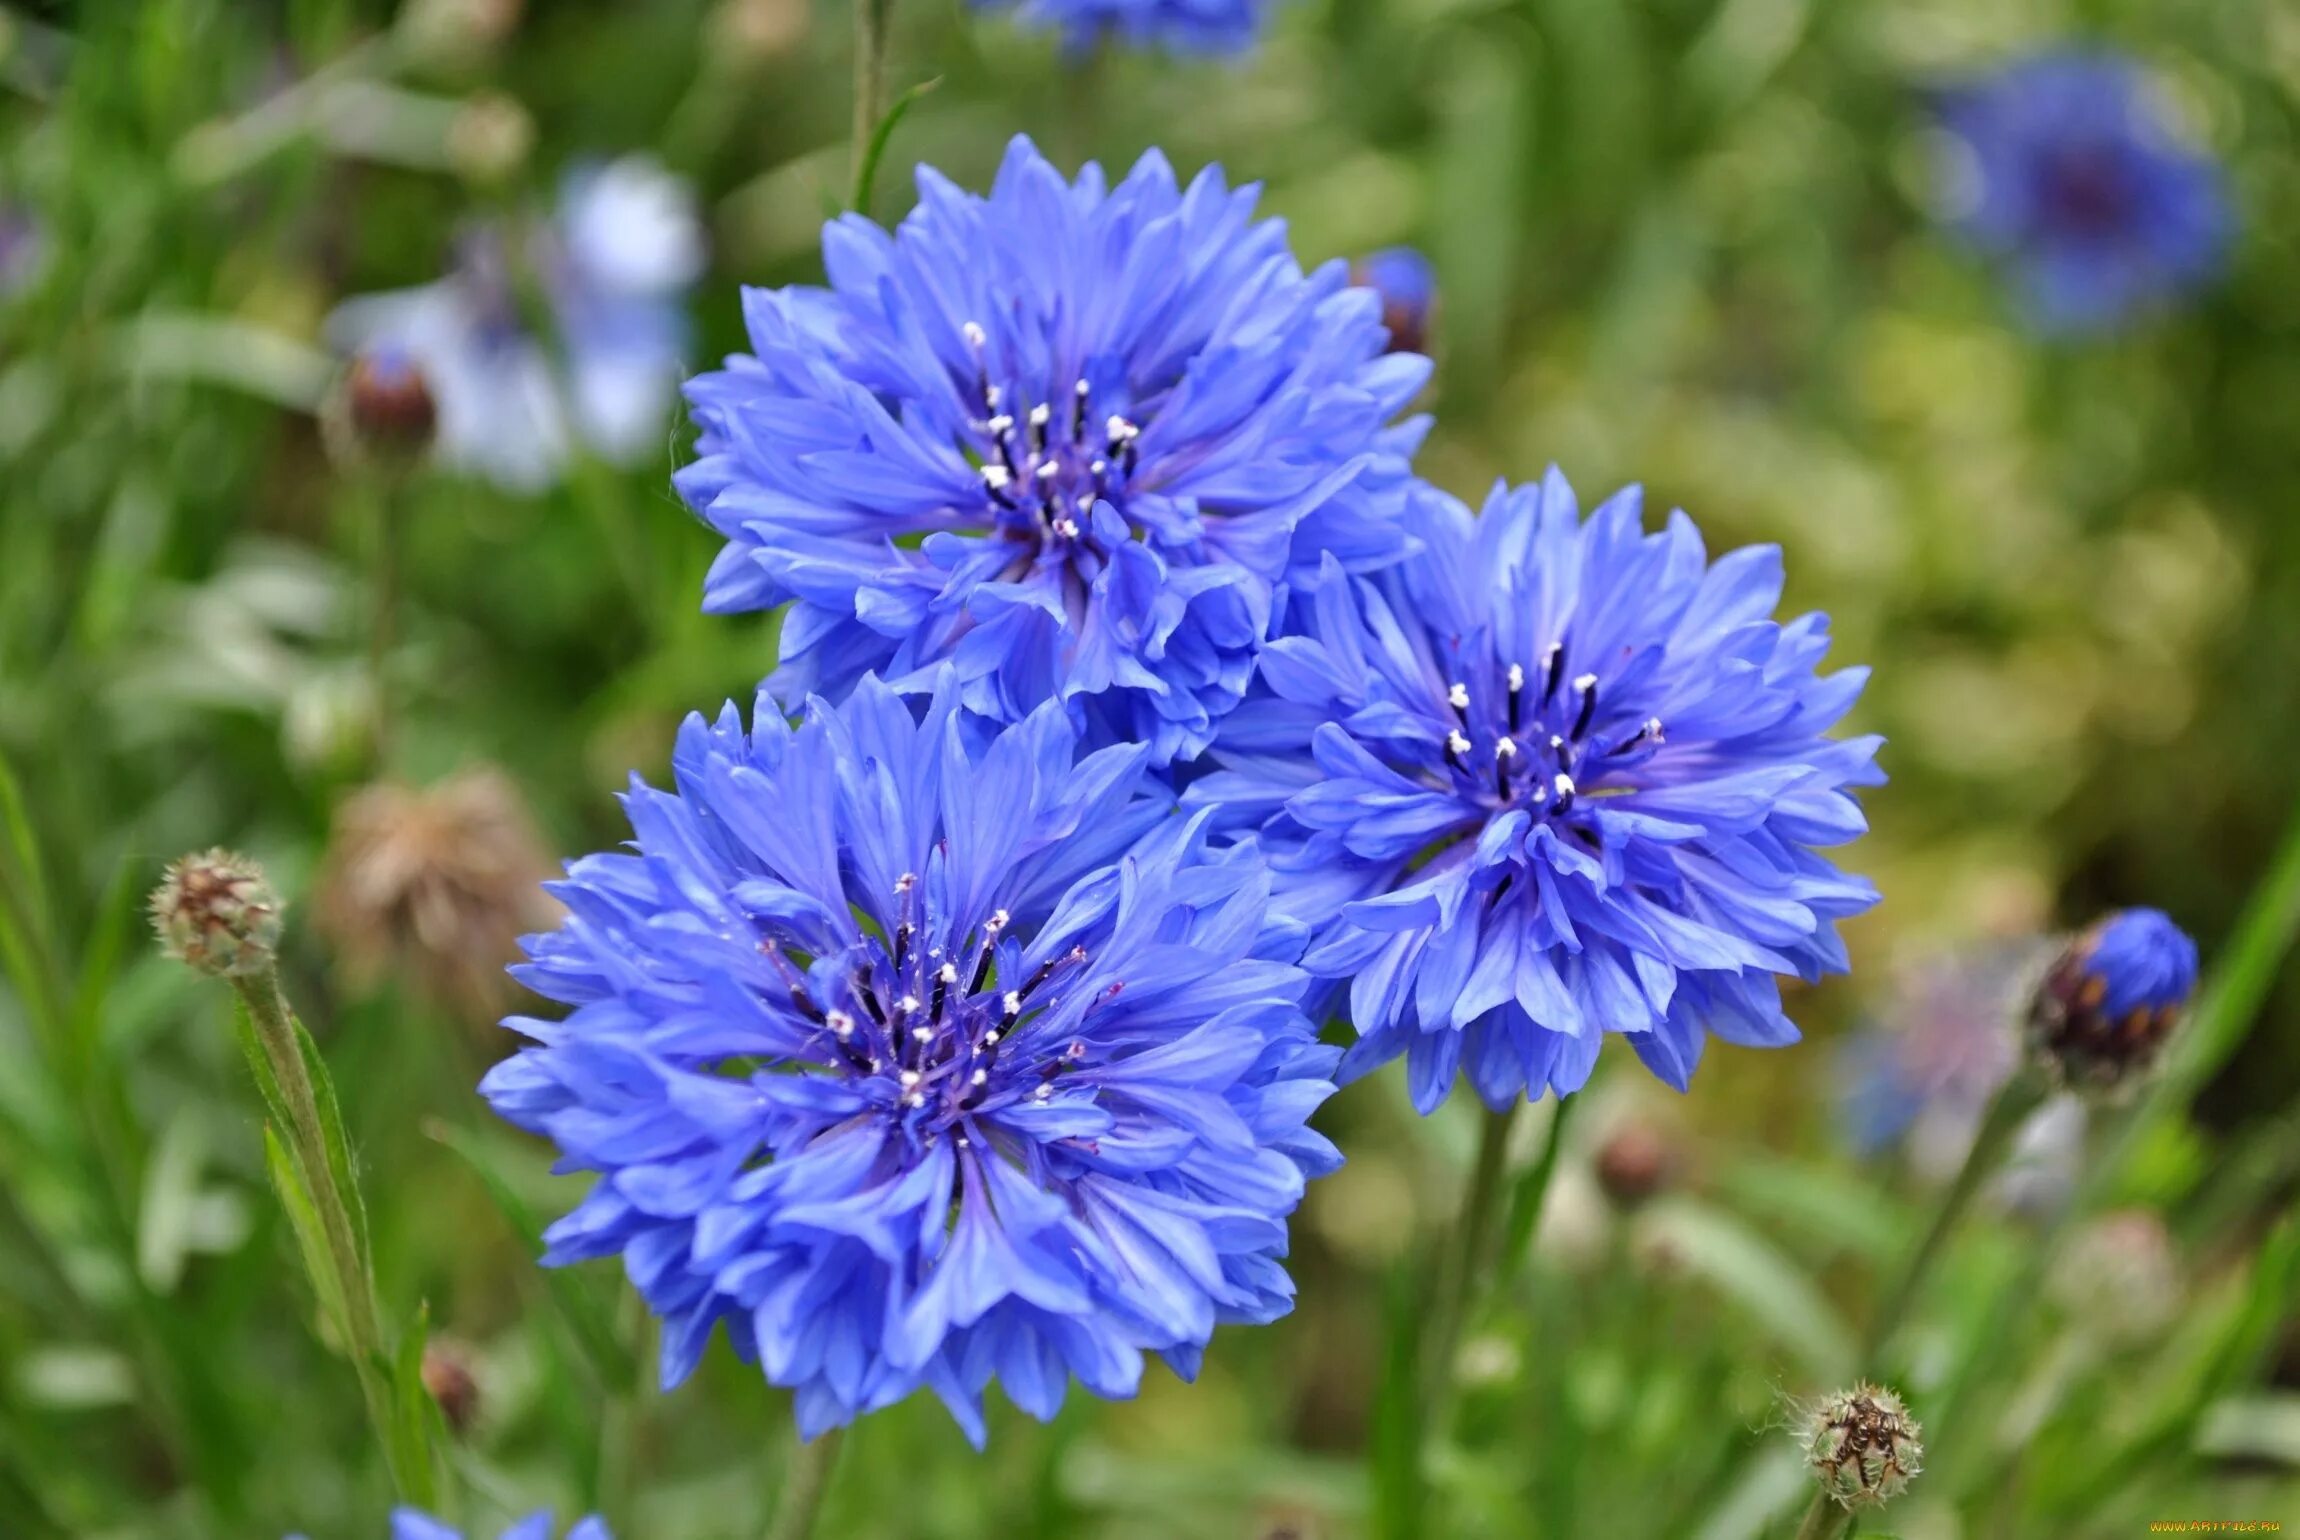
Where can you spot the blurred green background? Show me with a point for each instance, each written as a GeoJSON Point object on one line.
{"type": "Point", "coordinates": [1684, 242]}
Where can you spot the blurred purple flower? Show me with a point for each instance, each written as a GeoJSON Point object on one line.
{"type": "Point", "coordinates": [2072, 172]}
{"type": "Point", "coordinates": [410, 1524]}
{"type": "Point", "coordinates": [1184, 26]}
{"type": "Point", "coordinates": [611, 267]}
{"type": "Point", "coordinates": [1407, 284]}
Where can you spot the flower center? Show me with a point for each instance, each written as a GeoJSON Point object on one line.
{"type": "Point", "coordinates": [2085, 191]}
{"type": "Point", "coordinates": [1045, 465]}
{"type": "Point", "coordinates": [1536, 740]}
{"type": "Point", "coordinates": [929, 1030]}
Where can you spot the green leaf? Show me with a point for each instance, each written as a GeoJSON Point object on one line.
{"type": "Point", "coordinates": [867, 172]}
{"type": "Point", "coordinates": [311, 1240]}
{"type": "Point", "coordinates": [1750, 1271]}
{"type": "Point", "coordinates": [416, 1427]}
{"type": "Point", "coordinates": [340, 1168]}
{"type": "Point", "coordinates": [588, 1320]}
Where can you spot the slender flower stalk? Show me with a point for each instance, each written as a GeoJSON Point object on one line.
{"type": "Point", "coordinates": [1462, 1260]}
{"type": "Point", "coordinates": [2019, 1096]}
{"type": "Point", "coordinates": [1824, 1520]}
{"type": "Point", "coordinates": [806, 1479]}
{"type": "Point", "coordinates": [871, 19]}
{"type": "Point", "coordinates": [217, 913]}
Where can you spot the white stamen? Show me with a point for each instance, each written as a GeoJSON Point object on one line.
{"type": "Point", "coordinates": [948, 973]}
{"type": "Point", "coordinates": [1044, 1092]}
{"type": "Point", "coordinates": [1456, 742]}
{"type": "Point", "coordinates": [990, 1038]}
{"type": "Point", "coordinates": [1039, 415]}
{"type": "Point", "coordinates": [1066, 528]}
{"type": "Point", "coordinates": [1457, 696]}
{"type": "Point", "coordinates": [907, 1003]}
{"type": "Point", "coordinates": [981, 1077]}
{"type": "Point", "coordinates": [1046, 470]}
{"type": "Point", "coordinates": [997, 920]}
{"type": "Point", "coordinates": [1564, 785]}
{"type": "Point", "coordinates": [915, 1099]}
{"type": "Point", "coordinates": [1506, 749]}
{"type": "Point", "coordinates": [1516, 677]}
{"type": "Point", "coordinates": [1586, 683]}
{"type": "Point", "coordinates": [1653, 730]}
{"type": "Point", "coordinates": [910, 1077]}
{"type": "Point", "coordinates": [841, 1023]}
{"type": "Point", "coordinates": [1000, 425]}
{"type": "Point", "coordinates": [995, 477]}
{"type": "Point", "coordinates": [1013, 1002]}
{"type": "Point", "coordinates": [923, 1034]}
{"type": "Point", "coordinates": [975, 336]}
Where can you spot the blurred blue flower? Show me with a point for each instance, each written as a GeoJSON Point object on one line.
{"type": "Point", "coordinates": [1947, 1039]}
{"type": "Point", "coordinates": [1074, 440]}
{"type": "Point", "coordinates": [1553, 780]}
{"type": "Point", "coordinates": [922, 1054]}
{"type": "Point", "coordinates": [408, 1524]}
{"type": "Point", "coordinates": [23, 249]}
{"type": "Point", "coordinates": [611, 268]}
{"type": "Point", "coordinates": [1185, 26]}
{"type": "Point", "coordinates": [2113, 997]}
{"type": "Point", "coordinates": [1407, 284]}
{"type": "Point", "coordinates": [2073, 173]}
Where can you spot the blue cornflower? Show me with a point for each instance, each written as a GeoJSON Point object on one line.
{"type": "Point", "coordinates": [1184, 26]}
{"type": "Point", "coordinates": [1073, 440]}
{"type": "Point", "coordinates": [1946, 1040]}
{"type": "Point", "coordinates": [2113, 997]}
{"type": "Point", "coordinates": [409, 1524]}
{"type": "Point", "coordinates": [23, 249]}
{"type": "Point", "coordinates": [2072, 172]}
{"type": "Point", "coordinates": [1407, 284]}
{"type": "Point", "coordinates": [1553, 780]}
{"type": "Point", "coordinates": [922, 1053]}
{"type": "Point", "coordinates": [612, 265]}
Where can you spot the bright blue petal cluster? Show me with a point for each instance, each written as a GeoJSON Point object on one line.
{"type": "Point", "coordinates": [1072, 439]}
{"type": "Point", "coordinates": [409, 1524]}
{"type": "Point", "coordinates": [2138, 960]}
{"type": "Point", "coordinates": [921, 1052]}
{"type": "Point", "coordinates": [1554, 780]}
{"type": "Point", "coordinates": [1184, 26]}
{"type": "Point", "coordinates": [2073, 173]}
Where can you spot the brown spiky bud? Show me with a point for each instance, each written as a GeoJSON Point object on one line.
{"type": "Point", "coordinates": [1863, 1446]}
{"type": "Point", "coordinates": [216, 912]}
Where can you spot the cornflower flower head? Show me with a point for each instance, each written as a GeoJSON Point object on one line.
{"type": "Point", "coordinates": [1551, 780]}
{"type": "Point", "coordinates": [1073, 439]}
{"type": "Point", "coordinates": [922, 1052]}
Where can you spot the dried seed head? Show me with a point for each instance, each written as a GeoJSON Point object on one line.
{"type": "Point", "coordinates": [2112, 999]}
{"type": "Point", "coordinates": [1864, 1446]}
{"type": "Point", "coordinates": [216, 912]}
{"type": "Point", "coordinates": [383, 413]}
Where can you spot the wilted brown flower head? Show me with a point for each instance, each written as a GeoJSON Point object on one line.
{"type": "Point", "coordinates": [447, 1376]}
{"type": "Point", "coordinates": [436, 885]}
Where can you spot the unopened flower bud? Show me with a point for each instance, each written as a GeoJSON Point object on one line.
{"type": "Point", "coordinates": [1863, 1446]}
{"type": "Point", "coordinates": [2120, 1278]}
{"type": "Point", "coordinates": [447, 1376]}
{"type": "Point", "coordinates": [1403, 278]}
{"type": "Point", "coordinates": [490, 138]}
{"type": "Point", "coordinates": [216, 912]}
{"type": "Point", "coordinates": [1635, 1162]}
{"type": "Point", "coordinates": [2112, 998]}
{"type": "Point", "coordinates": [382, 412]}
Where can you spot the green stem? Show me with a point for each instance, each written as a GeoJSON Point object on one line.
{"type": "Point", "coordinates": [871, 18]}
{"type": "Point", "coordinates": [1459, 1265]}
{"type": "Point", "coordinates": [383, 515]}
{"type": "Point", "coordinates": [276, 1033]}
{"type": "Point", "coordinates": [1530, 1199]}
{"type": "Point", "coordinates": [2021, 1095]}
{"type": "Point", "coordinates": [806, 1480]}
{"type": "Point", "coordinates": [1826, 1519]}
